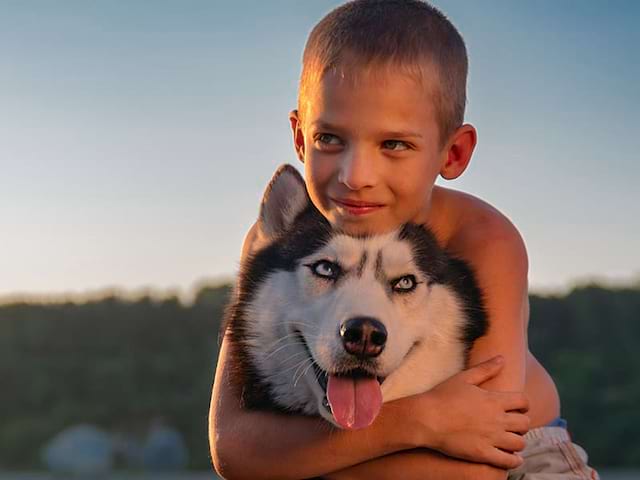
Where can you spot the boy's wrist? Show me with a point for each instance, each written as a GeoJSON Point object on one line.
{"type": "Point", "coordinates": [413, 422]}
{"type": "Point", "coordinates": [425, 413]}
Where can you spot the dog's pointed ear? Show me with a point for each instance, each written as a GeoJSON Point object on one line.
{"type": "Point", "coordinates": [284, 198]}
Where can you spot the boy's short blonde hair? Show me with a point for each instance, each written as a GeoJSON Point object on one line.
{"type": "Point", "coordinates": [406, 35]}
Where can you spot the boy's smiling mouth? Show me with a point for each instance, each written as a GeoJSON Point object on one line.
{"type": "Point", "coordinates": [356, 207]}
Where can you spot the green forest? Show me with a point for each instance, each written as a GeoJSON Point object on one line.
{"type": "Point", "coordinates": [118, 363]}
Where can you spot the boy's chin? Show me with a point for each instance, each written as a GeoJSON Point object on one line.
{"type": "Point", "coordinates": [362, 226]}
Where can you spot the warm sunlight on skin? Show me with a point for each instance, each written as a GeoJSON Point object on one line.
{"type": "Point", "coordinates": [363, 139]}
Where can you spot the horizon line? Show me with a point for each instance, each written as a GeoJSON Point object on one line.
{"type": "Point", "coordinates": [186, 296]}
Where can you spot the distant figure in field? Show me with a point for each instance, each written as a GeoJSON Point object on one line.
{"type": "Point", "coordinates": [79, 451]}
{"type": "Point", "coordinates": [164, 448]}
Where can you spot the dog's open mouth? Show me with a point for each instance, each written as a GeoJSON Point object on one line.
{"type": "Point", "coordinates": [352, 396]}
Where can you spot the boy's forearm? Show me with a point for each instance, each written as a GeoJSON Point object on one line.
{"type": "Point", "coordinates": [258, 445]}
{"type": "Point", "coordinates": [418, 464]}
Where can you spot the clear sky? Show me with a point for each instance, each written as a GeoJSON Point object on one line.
{"type": "Point", "coordinates": [136, 137]}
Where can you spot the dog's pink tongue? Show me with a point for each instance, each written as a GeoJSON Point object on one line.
{"type": "Point", "coordinates": [355, 402]}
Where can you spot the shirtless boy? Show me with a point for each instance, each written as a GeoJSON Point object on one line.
{"type": "Point", "coordinates": [380, 116]}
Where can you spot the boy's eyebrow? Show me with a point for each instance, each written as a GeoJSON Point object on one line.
{"type": "Point", "coordinates": [321, 125]}
{"type": "Point", "coordinates": [402, 134]}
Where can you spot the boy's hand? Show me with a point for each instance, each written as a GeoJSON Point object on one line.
{"type": "Point", "coordinates": [464, 421]}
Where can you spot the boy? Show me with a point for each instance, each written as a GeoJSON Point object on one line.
{"type": "Point", "coordinates": [380, 116]}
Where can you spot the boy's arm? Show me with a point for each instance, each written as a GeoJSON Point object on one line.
{"type": "Point", "coordinates": [456, 417]}
{"type": "Point", "coordinates": [501, 266]}
{"type": "Point", "coordinates": [419, 464]}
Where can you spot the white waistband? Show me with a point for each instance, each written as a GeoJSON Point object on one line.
{"type": "Point", "coordinates": [554, 433]}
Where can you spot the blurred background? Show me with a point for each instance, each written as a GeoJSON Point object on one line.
{"type": "Point", "coordinates": [136, 139]}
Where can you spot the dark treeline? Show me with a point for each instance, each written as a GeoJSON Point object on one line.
{"type": "Point", "coordinates": [119, 363]}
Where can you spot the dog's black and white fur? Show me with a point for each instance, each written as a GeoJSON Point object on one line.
{"type": "Point", "coordinates": [305, 280]}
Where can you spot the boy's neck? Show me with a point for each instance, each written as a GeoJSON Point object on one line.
{"type": "Point", "coordinates": [440, 218]}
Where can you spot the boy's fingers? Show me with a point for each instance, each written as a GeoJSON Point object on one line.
{"type": "Point", "coordinates": [484, 371]}
{"type": "Point", "coordinates": [511, 442]}
{"type": "Point", "coordinates": [517, 423]}
{"type": "Point", "coordinates": [505, 460]}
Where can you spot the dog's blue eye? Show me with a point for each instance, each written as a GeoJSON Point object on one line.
{"type": "Point", "coordinates": [404, 284]}
{"type": "Point", "coordinates": [325, 269]}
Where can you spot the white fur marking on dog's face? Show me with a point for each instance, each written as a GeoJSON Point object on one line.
{"type": "Point", "coordinates": [423, 325]}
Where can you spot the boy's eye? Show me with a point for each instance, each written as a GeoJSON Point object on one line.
{"type": "Point", "coordinates": [327, 139]}
{"type": "Point", "coordinates": [395, 145]}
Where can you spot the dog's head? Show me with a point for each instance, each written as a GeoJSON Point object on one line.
{"type": "Point", "coordinates": [326, 320]}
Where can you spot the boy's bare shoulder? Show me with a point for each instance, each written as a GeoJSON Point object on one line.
{"type": "Point", "coordinates": [476, 230]}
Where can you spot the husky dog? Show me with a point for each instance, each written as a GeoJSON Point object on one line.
{"type": "Point", "coordinates": [324, 323]}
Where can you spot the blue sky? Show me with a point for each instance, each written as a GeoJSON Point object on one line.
{"type": "Point", "coordinates": [136, 137]}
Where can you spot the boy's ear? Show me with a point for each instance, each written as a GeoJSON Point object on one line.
{"type": "Point", "coordinates": [458, 152]}
{"type": "Point", "coordinates": [298, 135]}
{"type": "Point", "coordinates": [284, 198]}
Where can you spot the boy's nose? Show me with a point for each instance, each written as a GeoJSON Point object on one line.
{"type": "Point", "coordinates": [356, 171]}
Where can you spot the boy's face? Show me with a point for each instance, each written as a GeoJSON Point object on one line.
{"type": "Point", "coordinates": [370, 145]}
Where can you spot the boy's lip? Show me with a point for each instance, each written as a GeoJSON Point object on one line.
{"type": "Point", "coordinates": [356, 207]}
{"type": "Point", "coordinates": [355, 203]}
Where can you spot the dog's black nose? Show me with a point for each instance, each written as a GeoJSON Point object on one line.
{"type": "Point", "coordinates": [363, 336]}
